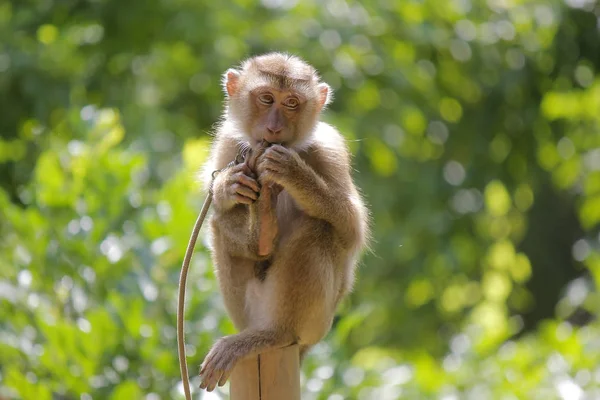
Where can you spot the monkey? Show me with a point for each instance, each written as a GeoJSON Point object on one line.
{"type": "Point", "coordinates": [289, 224]}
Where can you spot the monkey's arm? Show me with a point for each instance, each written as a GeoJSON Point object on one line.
{"type": "Point", "coordinates": [333, 200]}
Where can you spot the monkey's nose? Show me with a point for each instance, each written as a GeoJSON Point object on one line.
{"type": "Point", "coordinates": [273, 135]}
{"type": "Point", "coordinates": [274, 131]}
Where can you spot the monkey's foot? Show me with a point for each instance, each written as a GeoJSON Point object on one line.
{"type": "Point", "coordinates": [217, 365]}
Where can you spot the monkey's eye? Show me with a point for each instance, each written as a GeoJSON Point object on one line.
{"type": "Point", "coordinates": [266, 99]}
{"type": "Point", "coordinates": [291, 103]}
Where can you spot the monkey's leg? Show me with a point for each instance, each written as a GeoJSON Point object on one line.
{"type": "Point", "coordinates": [295, 303]}
{"type": "Point", "coordinates": [230, 232]}
{"type": "Point", "coordinates": [233, 275]}
{"type": "Point", "coordinates": [303, 283]}
{"type": "Point", "coordinates": [225, 353]}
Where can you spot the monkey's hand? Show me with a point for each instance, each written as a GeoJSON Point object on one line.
{"type": "Point", "coordinates": [278, 165]}
{"type": "Point", "coordinates": [317, 197]}
{"type": "Point", "coordinates": [235, 185]}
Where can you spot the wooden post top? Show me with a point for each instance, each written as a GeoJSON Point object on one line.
{"type": "Point", "coordinates": [272, 375]}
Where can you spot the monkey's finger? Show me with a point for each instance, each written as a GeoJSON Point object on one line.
{"type": "Point", "coordinates": [277, 148]}
{"type": "Point", "coordinates": [279, 153]}
{"type": "Point", "coordinates": [274, 173]}
{"type": "Point", "coordinates": [245, 191]}
{"type": "Point", "coordinates": [225, 377]}
{"type": "Point", "coordinates": [269, 176]}
{"type": "Point", "coordinates": [239, 168]}
{"type": "Point", "coordinates": [203, 367]}
{"type": "Point", "coordinates": [214, 380]}
{"type": "Point", "coordinates": [203, 382]}
{"type": "Point", "coordinates": [210, 378]}
{"type": "Point", "coordinates": [204, 371]}
{"type": "Point", "coordinates": [251, 183]}
{"type": "Point", "coordinates": [243, 199]}
{"type": "Point", "coordinates": [246, 169]}
{"type": "Point", "coordinates": [272, 170]}
{"type": "Point", "coordinates": [276, 159]}
{"type": "Point", "coordinates": [275, 155]}
{"type": "Point", "coordinates": [251, 161]}
{"type": "Point", "coordinates": [270, 164]}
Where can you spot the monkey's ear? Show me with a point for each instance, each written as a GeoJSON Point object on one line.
{"type": "Point", "coordinates": [231, 80]}
{"type": "Point", "coordinates": [325, 94]}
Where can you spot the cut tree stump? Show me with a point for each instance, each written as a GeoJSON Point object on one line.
{"type": "Point", "coordinates": [272, 375]}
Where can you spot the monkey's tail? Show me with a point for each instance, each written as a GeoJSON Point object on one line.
{"type": "Point", "coordinates": [181, 303]}
{"type": "Point", "coordinates": [239, 158]}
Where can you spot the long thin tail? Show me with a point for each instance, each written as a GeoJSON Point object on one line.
{"type": "Point", "coordinates": [181, 303]}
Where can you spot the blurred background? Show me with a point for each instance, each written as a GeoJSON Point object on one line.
{"type": "Point", "coordinates": [475, 130]}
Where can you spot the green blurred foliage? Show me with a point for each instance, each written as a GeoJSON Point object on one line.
{"type": "Point", "coordinates": [475, 127]}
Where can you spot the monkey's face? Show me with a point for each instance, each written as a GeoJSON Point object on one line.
{"type": "Point", "coordinates": [276, 98]}
{"type": "Point", "coordinates": [278, 116]}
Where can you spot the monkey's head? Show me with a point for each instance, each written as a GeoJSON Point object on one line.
{"type": "Point", "coordinates": [275, 97]}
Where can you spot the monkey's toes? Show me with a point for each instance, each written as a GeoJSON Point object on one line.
{"type": "Point", "coordinates": [217, 366]}
{"type": "Point", "coordinates": [210, 378]}
{"type": "Point", "coordinates": [225, 377]}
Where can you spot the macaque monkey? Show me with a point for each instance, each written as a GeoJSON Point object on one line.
{"type": "Point", "coordinates": [288, 224]}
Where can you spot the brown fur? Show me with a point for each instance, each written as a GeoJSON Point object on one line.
{"type": "Point", "coordinates": [308, 212]}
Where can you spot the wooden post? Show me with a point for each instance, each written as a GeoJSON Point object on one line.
{"type": "Point", "coordinates": [272, 375]}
